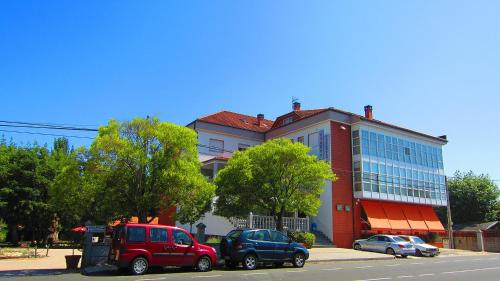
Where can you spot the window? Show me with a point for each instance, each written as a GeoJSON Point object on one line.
{"type": "Point", "coordinates": [365, 148]}
{"type": "Point", "coordinates": [181, 237]}
{"type": "Point", "coordinates": [261, 235]}
{"type": "Point", "coordinates": [287, 121]}
{"type": "Point", "coordinates": [313, 141]}
{"type": "Point", "coordinates": [348, 208]}
{"type": "Point", "coordinates": [136, 234]}
{"type": "Point", "coordinates": [340, 207]}
{"type": "Point", "coordinates": [276, 236]}
{"type": "Point", "coordinates": [242, 146]}
{"type": "Point", "coordinates": [407, 151]}
{"type": "Point", "coordinates": [373, 144]}
{"type": "Point", "coordinates": [355, 143]}
{"type": "Point", "coordinates": [216, 145]}
{"type": "Point", "coordinates": [158, 235]}
{"type": "Point", "coordinates": [301, 139]}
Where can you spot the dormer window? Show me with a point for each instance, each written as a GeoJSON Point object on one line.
{"type": "Point", "coordinates": [287, 121]}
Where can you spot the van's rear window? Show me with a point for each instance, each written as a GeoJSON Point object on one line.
{"type": "Point", "coordinates": [136, 234]}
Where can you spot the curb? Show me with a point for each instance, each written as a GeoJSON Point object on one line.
{"type": "Point", "coordinates": [353, 259]}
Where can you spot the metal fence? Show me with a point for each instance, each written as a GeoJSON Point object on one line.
{"type": "Point", "coordinates": [267, 222]}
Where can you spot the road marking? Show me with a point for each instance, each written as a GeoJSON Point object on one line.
{"type": "Point", "coordinates": [366, 266]}
{"type": "Point", "coordinates": [471, 270]}
{"type": "Point", "coordinates": [475, 259]}
{"type": "Point", "coordinates": [206, 276]}
{"type": "Point", "coordinates": [406, 276]}
{"type": "Point", "coordinates": [151, 279]}
{"type": "Point", "coordinates": [441, 261]}
{"type": "Point", "coordinates": [426, 274]}
{"type": "Point", "coordinates": [375, 279]}
{"type": "Point", "coordinates": [256, 273]}
{"type": "Point", "coordinates": [396, 264]}
{"type": "Point", "coordinates": [417, 263]}
{"type": "Point", "coordinates": [458, 260]}
{"type": "Point", "coordinates": [331, 269]}
{"type": "Point", "coordinates": [492, 259]}
{"type": "Point", "coordinates": [294, 271]}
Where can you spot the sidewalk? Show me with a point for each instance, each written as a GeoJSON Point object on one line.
{"type": "Point", "coordinates": [340, 254]}
{"type": "Point", "coordinates": [55, 261]}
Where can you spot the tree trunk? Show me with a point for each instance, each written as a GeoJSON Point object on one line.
{"type": "Point", "coordinates": [13, 235]}
{"type": "Point", "coordinates": [142, 217]}
{"type": "Point", "coordinates": [279, 220]}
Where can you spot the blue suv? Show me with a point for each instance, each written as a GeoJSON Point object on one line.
{"type": "Point", "coordinates": [253, 246]}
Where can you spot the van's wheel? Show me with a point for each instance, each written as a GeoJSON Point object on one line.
{"type": "Point", "coordinates": [250, 262]}
{"type": "Point", "coordinates": [139, 266]}
{"type": "Point", "coordinates": [357, 247]}
{"type": "Point", "coordinates": [204, 264]}
{"type": "Point", "coordinates": [299, 260]}
{"type": "Point", "coordinates": [390, 251]}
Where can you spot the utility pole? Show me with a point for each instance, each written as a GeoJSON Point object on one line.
{"type": "Point", "coordinates": [448, 214]}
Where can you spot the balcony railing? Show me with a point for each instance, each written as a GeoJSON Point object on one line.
{"type": "Point", "coordinates": [267, 222]}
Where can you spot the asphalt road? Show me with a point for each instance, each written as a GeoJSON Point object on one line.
{"type": "Point", "coordinates": [466, 268]}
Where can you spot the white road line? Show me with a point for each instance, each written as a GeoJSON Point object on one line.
{"type": "Point", "coordinates": [426, 274]}
{"type": "Point", "coordinates": [458, 260]}
{"type": "Point", "coordinates": [366, 266]}
{"type": "Point", "coordinates": [294, 271]}
{"type": "Point", "coordinates": [406, 276]}
{"type": "Point", "coordinates": [206, 276]}
{"type": "Point", "coordinates": [151, 279]}
{"type": "Point", "coordinates": [492, 259]}
{"type": "Point", "coordinates": [396, 264]}
{"type": "Point", "coordinates": [417, 263]}
{"type": "Point", "coordinates": [475, 259]}
{"type": "Point", "coordinates": [375, 279]}
{"type": "Point", "coordinates": [256, 273]}
{"type": "Point", "coordinates": [441, 261]}
{"type": "Point", "coordinates": [471, 270]}
{"type": "Point", "coordinates": [331, 269]}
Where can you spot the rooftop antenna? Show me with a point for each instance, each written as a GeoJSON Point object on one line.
{"type": "Point", "coordinates": [294, 99]}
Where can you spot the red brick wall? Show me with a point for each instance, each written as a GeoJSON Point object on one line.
{"type": "Point", "coordinates": [342, 188]}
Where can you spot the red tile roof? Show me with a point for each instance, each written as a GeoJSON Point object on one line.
{"type": "Point", "coordinates": [236, 120]}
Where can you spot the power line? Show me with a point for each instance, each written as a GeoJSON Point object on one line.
{"type": "Point", "coordinates": [45, 134]}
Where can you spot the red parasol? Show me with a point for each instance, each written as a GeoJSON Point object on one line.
{"type": "Point", "coordinates": [79, 229]}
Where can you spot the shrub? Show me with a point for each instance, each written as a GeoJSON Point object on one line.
{"type": "Point", "coordinates": [3, 231]}
{"type": "Point", "coordinates": [213, 239]}
{"type": "Point", "coordinates": [306, 238]}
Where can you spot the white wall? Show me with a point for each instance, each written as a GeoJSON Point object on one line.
{"type": "Point", "coordinates": [230, 142]}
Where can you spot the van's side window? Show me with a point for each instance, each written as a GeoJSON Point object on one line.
{"type": "Point", "coordinates": [158, 235]}
{"type": "Point", "coordinates": [181, 238]}
{"type": "Point", "coordinates": [136, 234]}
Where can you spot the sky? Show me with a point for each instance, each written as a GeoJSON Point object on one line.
{"type": "Point", "coordinates": [431, 66]}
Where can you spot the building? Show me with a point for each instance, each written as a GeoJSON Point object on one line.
{"type": "Point", "coordinates": [389, 177]}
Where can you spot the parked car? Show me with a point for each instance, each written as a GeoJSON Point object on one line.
{"type": "Point", "coordinates": [253, 246]}
{"type": "Point", "coordinates": [140, 246]}
{"type": "Point", "coordinates": [389, 244]}
{"type": "Point", "coordinates": [421, 248]}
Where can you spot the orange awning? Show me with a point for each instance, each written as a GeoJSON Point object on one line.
{"type": "Point", "coordinates": [396, 217]}
{"type": "Point", "coordinates": [415, 219]}
{"type": "Point", "coordinates": [376, 215]}
{"type": "Point", "coordinates": [431, 219]}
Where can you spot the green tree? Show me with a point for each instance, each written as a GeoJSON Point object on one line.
{"type": "Point", "coordinates": [146, 165]}
{"type": "Point", "coordinates": [277, 177]}
{"type": "Point", "coordinates": [25, 177]}
{"type": "Point", "coordinates": [473, 198]}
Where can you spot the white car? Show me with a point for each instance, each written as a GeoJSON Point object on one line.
{"type": "Point", "coordinates": [421, 248]}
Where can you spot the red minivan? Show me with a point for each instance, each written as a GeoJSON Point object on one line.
{"type": "Point", "coordinates": [140, 246]}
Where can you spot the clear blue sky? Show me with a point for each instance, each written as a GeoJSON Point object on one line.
{"type": "Point", "coordinates": [432, 66]}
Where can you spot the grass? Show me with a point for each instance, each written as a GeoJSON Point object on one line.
{"type": "Point", "coordinates": [10, 252]}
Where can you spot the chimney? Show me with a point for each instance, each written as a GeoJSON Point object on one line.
{"type": "Point", "coordinates": [260, 119]}
{"type": "Point", "coordinates": [368, 112]}
{"type": "Point", "coordinates": [296, 106]}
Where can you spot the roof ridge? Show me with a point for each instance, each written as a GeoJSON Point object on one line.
{"type": "Point", "coordinates": [225, 110]}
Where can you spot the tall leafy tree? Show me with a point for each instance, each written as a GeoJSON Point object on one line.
{"type": "Point", "coordinates": [276, 177]}
{"type": "Point", "coordinates": [146, 165]}
{"type": "Point", "coordinates": [25, 177]}
{"type": "Point", "coordinates": [473, 198]}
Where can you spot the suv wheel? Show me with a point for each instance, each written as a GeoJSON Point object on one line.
{"type": "Point", "coordinates": [299, 260]}
{"type": "Point", "coordinates": [250, 262]}
{"type": "Point", "coordinates": [204, 264]}
{"type": "Point", "coordinates": [139, 266]}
